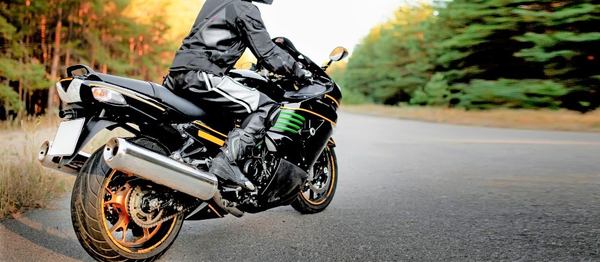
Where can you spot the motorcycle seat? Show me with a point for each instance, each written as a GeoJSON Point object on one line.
{"type": "Point", "coordinates": [179, 103]}
{"type": "Point", "coordinates": [156, 91]}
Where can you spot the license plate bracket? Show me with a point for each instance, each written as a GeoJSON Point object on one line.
{"type": "Point", "coordinates": [66, 138]}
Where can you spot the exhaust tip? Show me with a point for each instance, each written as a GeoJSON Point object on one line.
{"type": "Point", "coordinates": [110, 149]}
{"type": "Point", "coordinates": [44, 148]}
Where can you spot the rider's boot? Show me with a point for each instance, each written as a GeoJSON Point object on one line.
{"type": "Point", "coordinates": [225, 166]}
{"type": "Point", "coordinates": [239, 143]}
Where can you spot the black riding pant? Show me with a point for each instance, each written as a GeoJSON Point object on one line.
{"type": "Point", "coordinates": [224, 94]}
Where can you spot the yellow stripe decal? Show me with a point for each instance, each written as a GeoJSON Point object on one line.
{"type": "Point", "coordinates": [333, 99]}
{"type": "Point", "coordinates": [209, 128]}
{"type": "Point", "coordinates": [310, 112]}
{"type": "Point", "coordinates": [211, 138]}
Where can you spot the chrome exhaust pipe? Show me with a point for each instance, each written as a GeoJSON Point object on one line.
{"type": "Point", "coordinates": [127, 157]}
{"type": "Point", "coordinates": [54, 162]}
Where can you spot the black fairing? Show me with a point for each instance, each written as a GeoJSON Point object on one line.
{"type": "Point", "coordinates": [287, 45]}
{"type": "Point", "coordinates": [282, 189]}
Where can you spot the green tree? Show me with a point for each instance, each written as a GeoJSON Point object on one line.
{"type": "Point", "coordinates": [564, 38]}
{"type": "Point", "coordinates": [483, 54]}
{"type": "Point", "coordinates": [392, 62]}
{"type": "Point", "coordinates": [38, 39]}
{"type": "Point", "coordinates": [518, 53]}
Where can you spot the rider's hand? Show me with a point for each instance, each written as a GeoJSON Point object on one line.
{"type": "Point", "coordinates": [307, 74]}
{"type": "Point", "coordinates": [303, 76]}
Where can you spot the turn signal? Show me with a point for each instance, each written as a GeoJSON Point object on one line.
{"type": "Point", "coordinates": [108, 96]}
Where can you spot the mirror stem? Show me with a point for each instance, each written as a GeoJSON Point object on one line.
{"type": "Point", "coordinates": [328, 65]}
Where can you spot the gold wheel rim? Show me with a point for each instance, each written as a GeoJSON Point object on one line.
{"type": "Point", "coordinates": [118, 201]}
{"type": "Point", "coordinates": [333, 173]}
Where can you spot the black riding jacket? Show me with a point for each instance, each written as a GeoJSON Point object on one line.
{"type": "Point", "coordinates": [221, 33]}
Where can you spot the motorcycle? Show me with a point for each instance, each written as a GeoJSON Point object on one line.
{"type": "Point", "coordinates": [132, 195]}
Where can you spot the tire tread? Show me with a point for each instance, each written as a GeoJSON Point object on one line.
{"type": "Point", "coordinates": [85, 214]}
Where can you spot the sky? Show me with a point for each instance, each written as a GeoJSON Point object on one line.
{"type": "Point", "coordinates": [318, 26]}
{"type": "Point", "coordinates": [315, 26]}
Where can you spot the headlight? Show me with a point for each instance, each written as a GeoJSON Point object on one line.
{"type": "Point", "coordinates": [108, 96]}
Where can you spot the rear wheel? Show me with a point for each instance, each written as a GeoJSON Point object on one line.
{"type": "Point", "coordinates": [319, 193]}
{"type": "Point", "coordinates": [106, 220]}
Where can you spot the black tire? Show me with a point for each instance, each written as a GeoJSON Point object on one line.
{"type": "Point", "coordinates": [88, 218]}
{"type": "Point", "coordinates": [306, 205]}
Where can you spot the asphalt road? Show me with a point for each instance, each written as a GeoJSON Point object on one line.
{"type": "Point", "coordinates": [407, 191]}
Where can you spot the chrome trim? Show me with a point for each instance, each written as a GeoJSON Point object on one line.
{"type": "Point", "coordinates": [127, 157]}
{"type": "Point", "coordinates": [53, 162]}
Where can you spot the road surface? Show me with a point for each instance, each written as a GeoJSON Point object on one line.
{"type": "Point", "coordinates": [407, 191]}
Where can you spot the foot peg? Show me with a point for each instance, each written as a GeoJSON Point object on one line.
{"type": "Point", "coordinates": [248, 185]}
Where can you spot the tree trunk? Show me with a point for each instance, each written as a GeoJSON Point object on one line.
{"type": "Point", "coordinates": [20, 112]}
{"type": "Point", "coordinates": [131, 51]}
{"type": "Point", "coordinates": [68, 57]}
{"type": "Point", "coordinates": [68, 40]}
{"type": "Point", "coordinates": [43, 38]}
{"type": "Point", "coordinates": [52, 96]}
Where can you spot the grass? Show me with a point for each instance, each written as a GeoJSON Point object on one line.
{"type": "Point", "coordinates": [24, 183]}
{"type": "Point", "coordinates": [562, 120]}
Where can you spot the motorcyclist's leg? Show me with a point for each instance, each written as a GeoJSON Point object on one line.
{"type": "Point", "coordinates": [238, 100]}
{"type": "Point", "coordinates": [241, 141]}
{"type": "Point", "coordinates": [258, 122]}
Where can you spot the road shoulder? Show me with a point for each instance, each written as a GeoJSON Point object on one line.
{"type": "Point", "coordinates": [560, 120]}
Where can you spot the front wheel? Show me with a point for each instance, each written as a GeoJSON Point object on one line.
{"type": "Point", "coordinates": [102, 216]}
{"type": "Point", "coordinates": [320, 191]}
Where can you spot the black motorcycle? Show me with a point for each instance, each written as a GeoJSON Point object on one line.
{"type": "Point", "coordinates": [132, 195]}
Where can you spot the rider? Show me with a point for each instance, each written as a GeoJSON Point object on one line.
{"type": "Point", "coordinates": [221, 33]}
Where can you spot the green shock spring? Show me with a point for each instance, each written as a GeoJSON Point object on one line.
{"type": "Point", "coordinates": [289, 121]}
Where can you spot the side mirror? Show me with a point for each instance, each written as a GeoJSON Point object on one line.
{"type": "Point", "coordinates": [338, 54]}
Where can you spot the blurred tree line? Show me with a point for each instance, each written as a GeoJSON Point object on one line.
{"type": "Point", "coordinates": [482, 54]}
{"type": "Point", "coordinates": [38, 39]}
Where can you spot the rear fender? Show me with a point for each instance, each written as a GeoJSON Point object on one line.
{"type": "Point", "coordinates": [92, 127]}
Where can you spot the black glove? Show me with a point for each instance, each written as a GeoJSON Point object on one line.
{"type": "Point", "coordinates": [302, 75]}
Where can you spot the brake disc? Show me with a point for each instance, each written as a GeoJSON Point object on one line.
{"type": "Point", "coordinates": [322, 187]}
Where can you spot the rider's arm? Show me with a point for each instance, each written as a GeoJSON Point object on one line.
{"type": "Point", "coordinates": [250, 24]}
